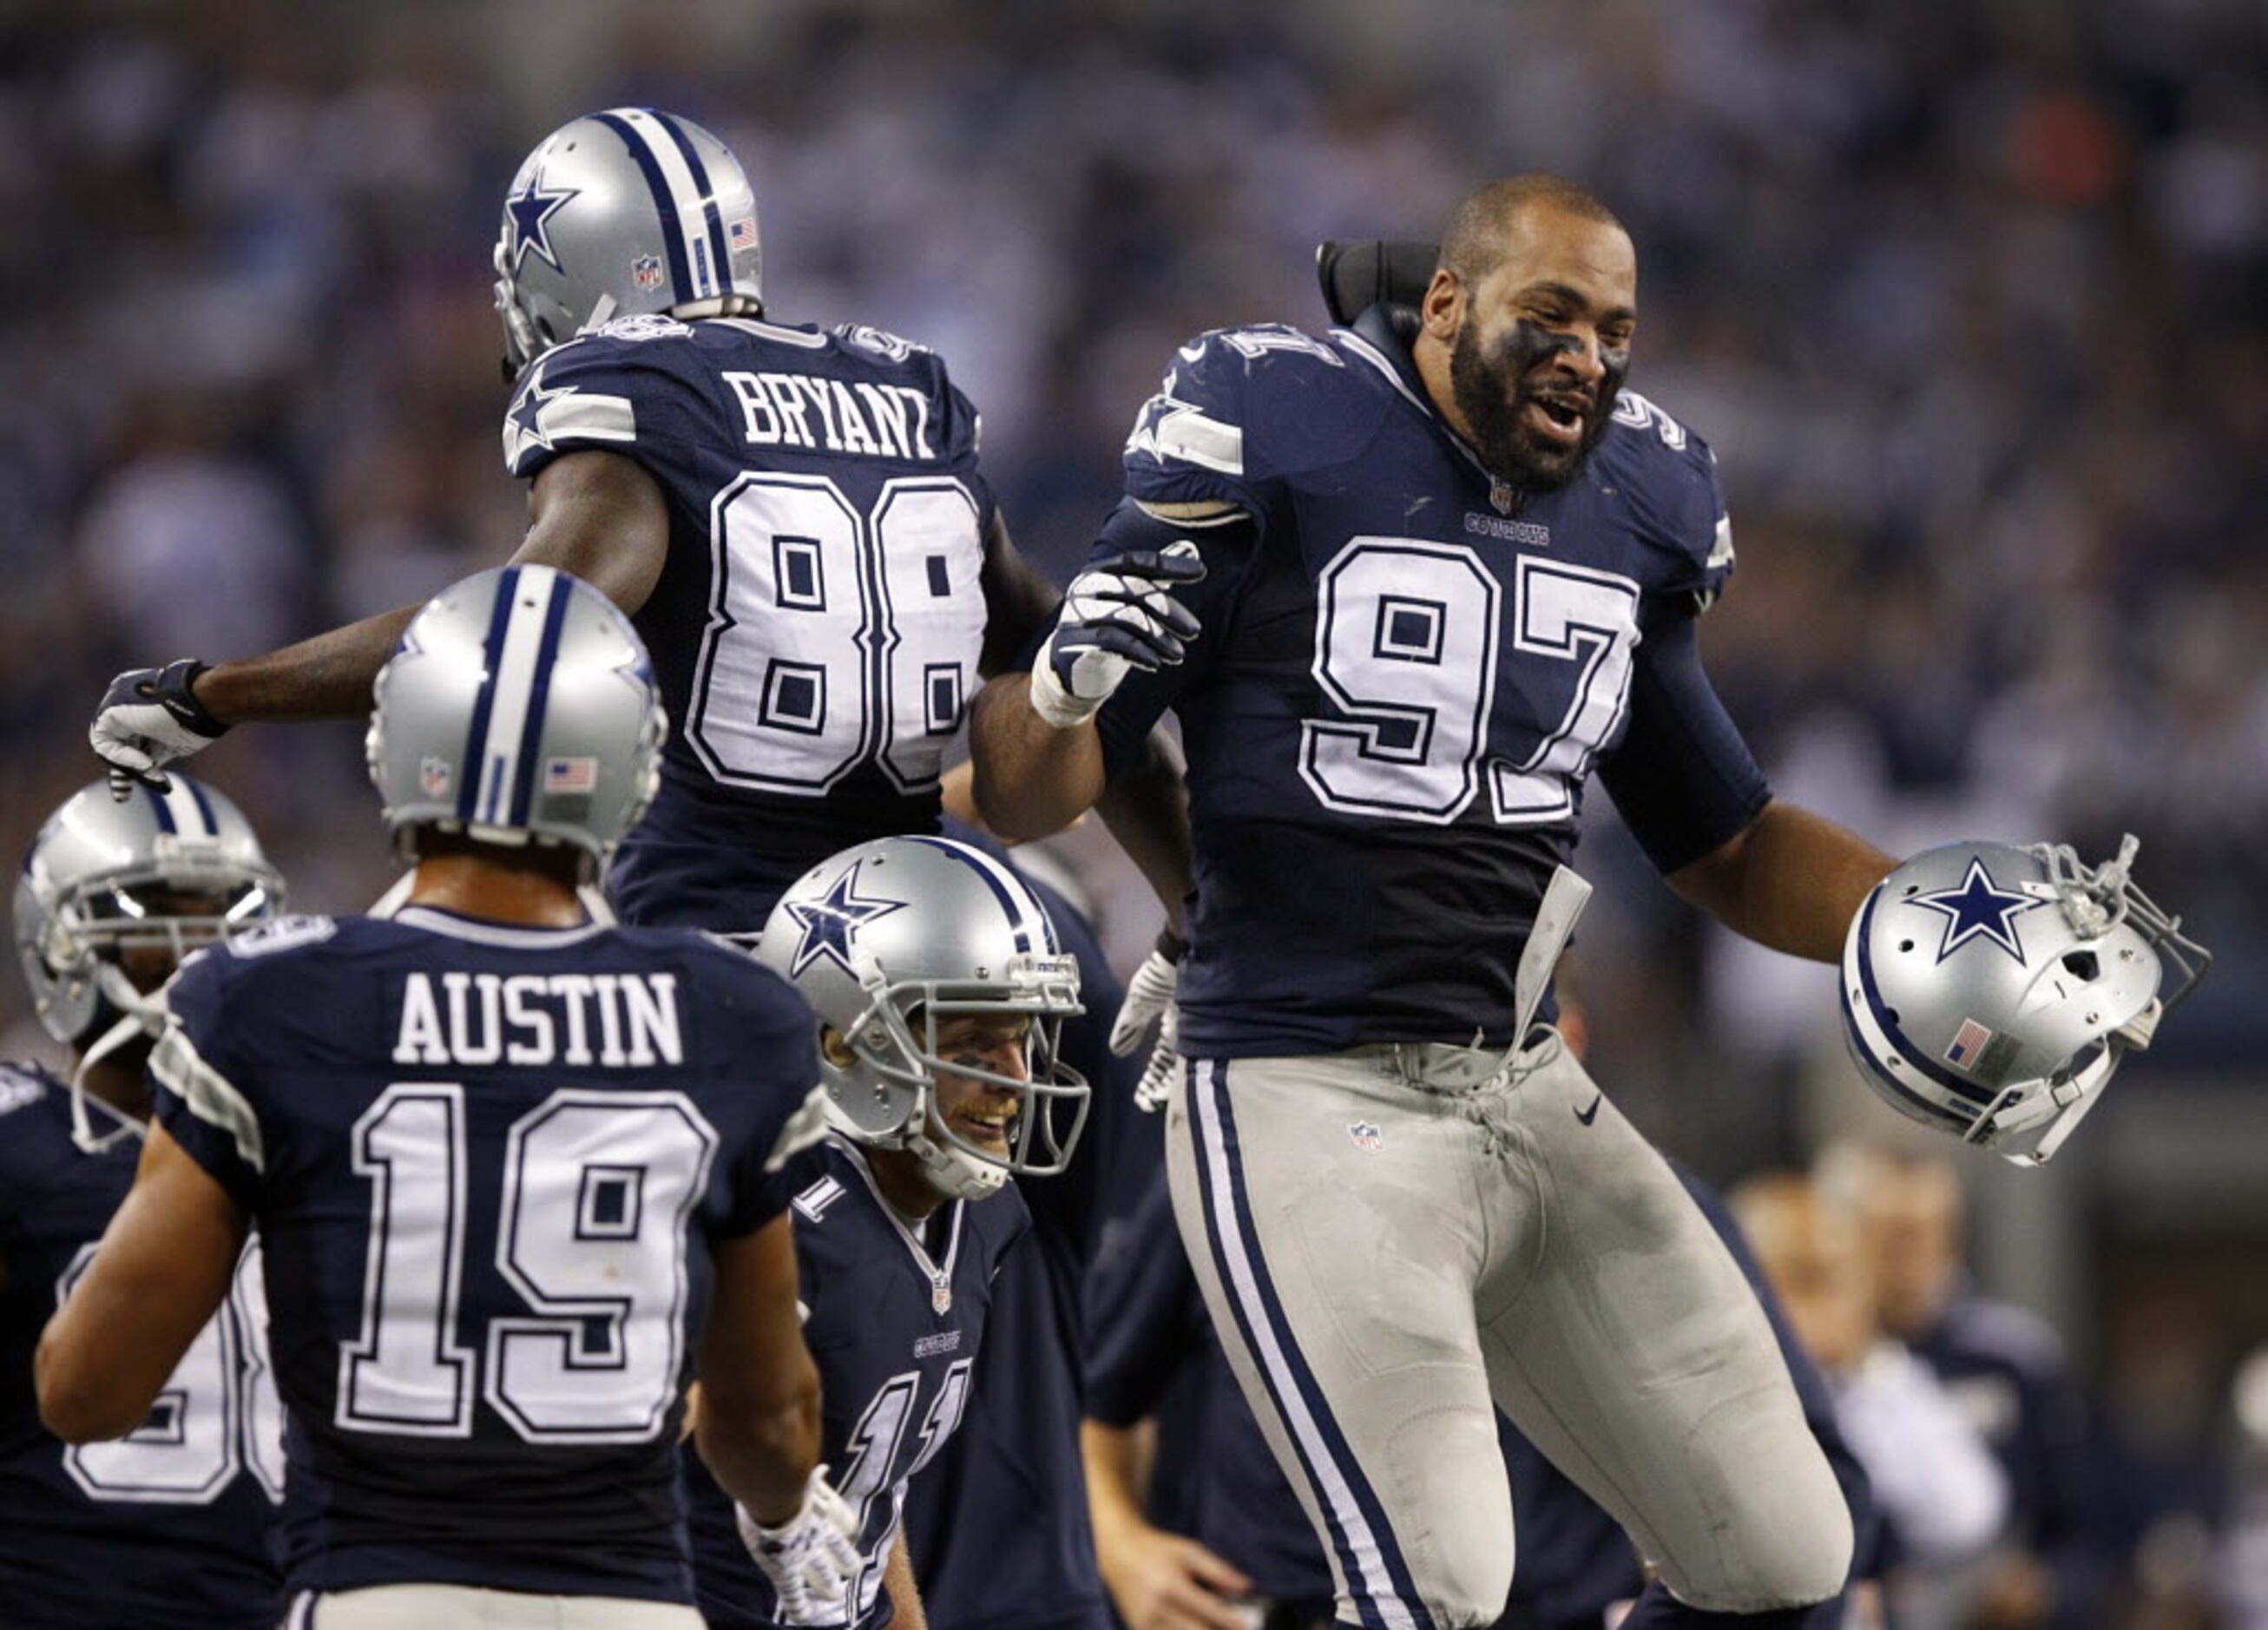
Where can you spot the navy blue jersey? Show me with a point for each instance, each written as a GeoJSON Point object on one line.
{"type": "Point", "coordinates": [171, 1524]}
{"type": "Point", "coordinates": [1401, 686]}
{"type": "Point", "coordinates": [1148, 1334]}
{"type": "Point", "coordinates": [487, 1165]}
{"type": "Point", "coordinates": [894, 1321]}
{"type": "Point", "coordinates": [996, 1525]}
{"type": "Point", "coordinates": [816, 626]}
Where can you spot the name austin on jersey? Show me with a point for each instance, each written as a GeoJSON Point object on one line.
{"type": "Point", "coordinates": [623, 1021]}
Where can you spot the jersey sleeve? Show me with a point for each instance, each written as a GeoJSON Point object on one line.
{"type": "Point", "coordinates": [1192, 442]}
{"type": "Point", "coordinates": [207, 1094]}
{"type": "Point", "coordinates": [637, 388]}
{"type": "Point", "coordinates": [1680, 507]}
{"type": "Point", "coordinates": [771, 1050]}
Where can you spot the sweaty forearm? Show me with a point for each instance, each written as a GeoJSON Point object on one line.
{"type": "Point", "coordinates": [329, 677]}
{"type": "Point", "coordinates": [1031, 778]}
{"type": "Point", "coordinates": [1792, 880]}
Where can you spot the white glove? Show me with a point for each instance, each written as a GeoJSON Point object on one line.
{"type": "Point", "coordinates": [151, 717]}
{"type": "Point", "coordinates": [812, 1558]}
{"type": "Point", "coordinates": [1118, 614]}
{"type": "Point", "coordinates": [1150, 1000]}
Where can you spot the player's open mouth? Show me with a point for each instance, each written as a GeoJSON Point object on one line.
{"type": "Point", "coordinates": [1557, 417]}
{"type": "Point", "coordinates": [985, 1126]}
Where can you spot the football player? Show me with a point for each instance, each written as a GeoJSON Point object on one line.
{"type": "Point", "coordinates": [518, 1176]}
{"type": "Point", "coordinates": [996, 1525]}
{"type": "Point", "coordinates": [794, 517]}
{"type": "Point", "coordinates": [1407, 585]}
{"type": "Point", "coordinates": [940, 990]}
{"type": "Point", "coordinates": [170, 1525]}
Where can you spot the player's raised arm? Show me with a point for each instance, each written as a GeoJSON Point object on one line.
{"type": "Point", "coordinates": [595, 514]}
{"type": "Point", "coordinates": [162, 1271]}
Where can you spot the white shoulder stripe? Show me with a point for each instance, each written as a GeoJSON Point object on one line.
{"type": "Point", "coordinates": [212, 1097]}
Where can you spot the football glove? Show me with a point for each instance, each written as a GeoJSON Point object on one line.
{"type": "Point", "coordinates": [1118, 614]}
{"type": "Point", "coordinates": [150, 718]}
{"type": "Point", "coordinates": [812, 1558]}
{"type": "Point", "coordinates": [1149, 1001]}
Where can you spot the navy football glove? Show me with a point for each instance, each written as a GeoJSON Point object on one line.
{"type": "Point", "coordinates": [149, 717]}
{"type": "Point", "coordinates": [1118, 614]}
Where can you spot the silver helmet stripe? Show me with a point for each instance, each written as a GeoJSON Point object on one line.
{"type": "Point", "coordinates": [676, 199]}
{"type": "Point", "coordinates": [497, 745]}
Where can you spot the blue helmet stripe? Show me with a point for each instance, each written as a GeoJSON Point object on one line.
{"type": "Point", "coordinates": [1881, 1009]}
{"type": "Point", "coordinates": [719, 256]}
{"type": "Point", "coordinates": [165, 823]}
{"type": "Point", "coordinates": [204, 806]}
{"type": "Point", "coordinates": [538, 698]}
{"type": "Point", "coordinates": [999, 890]}
{"type": "Point", "coordinates": [673, 235]}
{"type": "Point", "coordinates": [468, 766]}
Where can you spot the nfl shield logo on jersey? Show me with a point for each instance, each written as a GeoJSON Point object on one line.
{"type": "Point", "coordinates": [1366, 1137]}
{"type": "Point", "coordinates": [940, 1294]}
{"type": "Point", "coordinates": [646, 272]}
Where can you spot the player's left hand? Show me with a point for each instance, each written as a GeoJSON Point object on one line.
{"type": "Point", "coordinates": [812, 1558]}
{"type": "Point", "coordinates": [1149, 1001]}
{"type": "Point", "coordinates": [1117, 616]}
{"type": "Point", "coordinates": [150, 718]}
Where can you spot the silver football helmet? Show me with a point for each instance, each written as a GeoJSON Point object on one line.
{"type": "Point", "coordinates": [104, 877]}
{"type": "Point", "coordinates": [622, 213]}
{"type": "Point", "coordinates": [888, 939]}
{"type": "Point", "coordinates": [519, 707]}
{"type": "Point", "coordinates": [1990, 990]}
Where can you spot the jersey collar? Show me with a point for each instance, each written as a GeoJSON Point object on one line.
{"type": "Point", "coordinates": [939, 1276]}
{"type": "Point", "coordinates": [1378, 340]}
{"type": "Point", "coordinates": [482, 930]}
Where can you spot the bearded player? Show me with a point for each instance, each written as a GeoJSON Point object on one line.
{"type": "Point", "coordinates": [1407, 588]}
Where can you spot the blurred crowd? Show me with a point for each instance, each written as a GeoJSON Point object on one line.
{"type": "Point", "coordinates": [1970, 299]}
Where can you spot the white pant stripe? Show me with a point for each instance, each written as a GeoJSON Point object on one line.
{"type": "Point", "coordinates": [1210, 1078]}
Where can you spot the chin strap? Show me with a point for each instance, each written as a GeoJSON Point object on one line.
{"type": "Point", "coordinates": [139, 1016]}
{"type": "Point", "coordinates": [952, 1174]}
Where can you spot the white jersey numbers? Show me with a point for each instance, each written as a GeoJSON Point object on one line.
{"type": "Point", "coordinates": [836, 638]}
{"type": "Point", "coordinates": [1412, 642]}
{"type": "Point", "coordinates": [596, 1190]}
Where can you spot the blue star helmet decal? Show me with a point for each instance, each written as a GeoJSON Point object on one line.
{"type": "Point", "coordinates": [529, 209]}
{"type": "Point", "coordinates": [829, 924]}
{"type": "Point", "coordinates": [1979, 909]}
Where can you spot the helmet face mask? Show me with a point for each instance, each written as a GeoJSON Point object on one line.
{"type": "Point", "coordinates": [1992, 992]}
{"type": "Point", "coordinates": [628, 212]}
{"type": "Point", "coordinates": [113, 896]}
{"type": "Point", "coordinates": [891, 941]}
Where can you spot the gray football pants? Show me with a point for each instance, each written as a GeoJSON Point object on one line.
{"type": "Point", "coordinates": [1393, 1240]}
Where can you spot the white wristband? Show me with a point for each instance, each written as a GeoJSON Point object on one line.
{"type": "Point", "coordinates": [1056, 706]}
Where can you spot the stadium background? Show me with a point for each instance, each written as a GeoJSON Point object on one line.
{"type": "Point", "coordinates": [1972, 300]}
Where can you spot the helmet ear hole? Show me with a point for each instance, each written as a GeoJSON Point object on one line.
{"type": "Point", "coordinates": [2082, 965]}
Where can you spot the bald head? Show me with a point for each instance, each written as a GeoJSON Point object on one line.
{"type": "Point", "coordinates": [1489, 222]}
